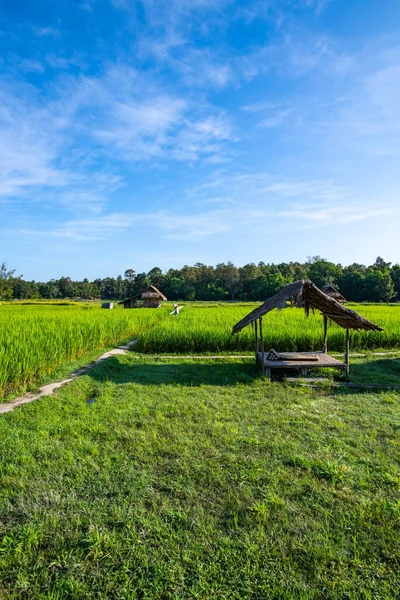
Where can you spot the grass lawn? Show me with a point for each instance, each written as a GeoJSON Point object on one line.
{"type": "Point", "coordinates": [170, 478]}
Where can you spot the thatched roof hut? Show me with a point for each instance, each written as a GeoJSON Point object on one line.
{"type": "Point", "coordinates": [306, 295]}
{"type": "Point", "coordinates": [131, 302]}
{"type": "Point", "coordinates": [151, 298]}
{"type": "Point", "coordinates": [331, 291]}
{"type": "Point", "coordinates": [154, 292]}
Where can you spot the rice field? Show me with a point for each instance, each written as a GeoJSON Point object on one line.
{"type": "Point", "coordinates": [35, 339]}
{"type": "Point", "coordinates": [207, 328]}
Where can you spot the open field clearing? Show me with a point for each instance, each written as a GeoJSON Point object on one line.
{"type": "Point", "coordinates": [36, 339]}
{"type": "Point", "coordinates": [164, 478]}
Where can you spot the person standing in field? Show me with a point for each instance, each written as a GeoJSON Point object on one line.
{"type": "Point", "coordinates": [176, 310]}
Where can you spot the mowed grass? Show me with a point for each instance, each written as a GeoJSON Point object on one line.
{"type": "Point", "coordinates": [157, 478]}
{"type": "Point", "coordinates": [36, 339]}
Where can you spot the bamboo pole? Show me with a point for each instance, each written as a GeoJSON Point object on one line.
{"type": "Point", "coordinates": [262, 346]}
{"type": "Point", "coordinates": [347, 354]}
{"type": "Point", "coordinates": [325, 346]}
{"type": "Point", "coordinates": [256, 334]}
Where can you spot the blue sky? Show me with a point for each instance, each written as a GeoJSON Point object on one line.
{"type": "Point", "coordinates": [147, 133]}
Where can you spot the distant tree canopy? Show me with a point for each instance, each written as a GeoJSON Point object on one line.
{"type": "Point", "coordinates": [379, 282]}
{"type": "Point", "coordinates": [6, 282]}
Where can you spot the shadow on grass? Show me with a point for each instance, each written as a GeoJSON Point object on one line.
{"type": "Point", "coordinates": [384, 371]}
{"type": "Point", "coordinates": [378, 376]}
{"type": "Point", "coordinates": [370, 372]}
{"type": "Point", "coordinates": [186, 374]}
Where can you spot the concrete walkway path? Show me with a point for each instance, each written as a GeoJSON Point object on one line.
{"type": "Point", "coordinates": [47, 390]}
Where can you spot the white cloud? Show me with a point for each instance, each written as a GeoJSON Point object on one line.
{"type": "Point", "coordinates": [47, 32]}
{"type": "Point", "coordinates": [315, 216]}
{"type": "Point", "coordinates": [83, 230]}
{"type": "Point", "coordinates": [29, 65]}
{"type": "Point", "coordinates": [278, 118]}
{"type": "Point", "coordinates": [65, 149]}
{"type": "Point", "coordinates": [260, 106]}
{"type": "Point", "coordinates": [383, 88]}
{"type": "Point", "coordinates": [192, 228]}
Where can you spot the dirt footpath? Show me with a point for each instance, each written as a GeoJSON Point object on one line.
{"type": "Point", "coordinates": [48, 389]}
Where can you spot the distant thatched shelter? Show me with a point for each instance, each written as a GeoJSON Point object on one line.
{"type": "Point", "coordinates": [329, 290]}
{"type": "Point", "coordinates": [306, 295]}
{"type": "Point", "coordinates": [133, 302]}
{"type": "Point", "coordinates": [151, 298]}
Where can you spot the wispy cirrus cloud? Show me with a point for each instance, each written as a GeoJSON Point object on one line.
{"type": "Point", "coordinates": [34, 163]}
{"type": "Point", "coordinates": [47, 32]}
{"type": "Point", "coordinates": [115, 115]}
{"type": "Point", "coordinates": [319, 215]}
{"type": "Point", "coordinates": [278, 205]}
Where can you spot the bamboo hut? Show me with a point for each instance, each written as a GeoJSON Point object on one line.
{"type": "Point", "coordinates": [329, 290]}
{"type": "Point", "coordinates": [151, 298]}
{"type": "Point", "coordinates": [306, 295]}
{"type": "Point", "coordinates": [133, 302]}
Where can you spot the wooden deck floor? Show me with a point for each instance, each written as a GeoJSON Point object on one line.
{"type": "Point", "coordinates": [324, 361]}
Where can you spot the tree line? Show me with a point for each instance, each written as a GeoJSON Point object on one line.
{"type": "Point", "coordinates": [379, 282]}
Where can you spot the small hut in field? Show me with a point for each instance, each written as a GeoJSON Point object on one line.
{"type": "Point", "coordinates": [151, 298]}
{"type": "Point", "coordinates": [109, 305]}
{"type": "Point", "coordinates": [306, 295]}
{"type": "Point", "coordinates": [133, 302]}
{"type": "Point", "coordinates": [329, 290]}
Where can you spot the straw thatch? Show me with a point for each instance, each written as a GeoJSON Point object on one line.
{"type": "Point", "coordinates": [305, 294]}
{"type": "Point", "coordinates": [331, 291]}
{"type": "Point", "coordinates": [153, 292]}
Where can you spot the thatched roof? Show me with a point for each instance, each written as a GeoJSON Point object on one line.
{"type": "Point", "coordinates": [154, 292]}
{"type": "Point", "coordinates": [305, 294]}
{"type": "Point", "coordinates": [331, 291]}
{"type": "Point", "coordinates": [151, 292]}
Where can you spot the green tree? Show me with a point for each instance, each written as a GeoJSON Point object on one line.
{"type": "Point", "coordinates": [386, 290]}
{"type": "Point", "coordinates": [395, 275]}
{"type": "Point", "coordinates": [86, 289]}
{"type": "Point", "coordinates": [381, 265]}
{"type": "Point", "coordinates": [141, 284]}
{"type": "Point", "coordinates": [156, 277]}
{"type": "Point", "coordinates": [130, 286]}
{"type": "Point", "coordinates": [6, 282]}
{"type": "Point", "coordinates": [25, 289]}
{"type": "Point", "coordinates": [228, 276]}
{"type": "Point", "coordinates": [321, 271]}
{"type": "Point", "coordinates": [351, 282]}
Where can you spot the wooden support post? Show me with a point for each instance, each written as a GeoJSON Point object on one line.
{"type": "Point", "coordinates": [262, 346]}
{"type": "Point", "coordinates": [347, 354]}
{"type": "Point", "coordinates": [256, 334]}
{"type": "Point", "coordinates": [325, 346]}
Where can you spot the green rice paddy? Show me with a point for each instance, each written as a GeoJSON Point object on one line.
{"type": "Point", "coordinates": [35, 339]}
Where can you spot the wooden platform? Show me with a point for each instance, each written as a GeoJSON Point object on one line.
{"type": "Point", "coordinates": [324, 361]}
